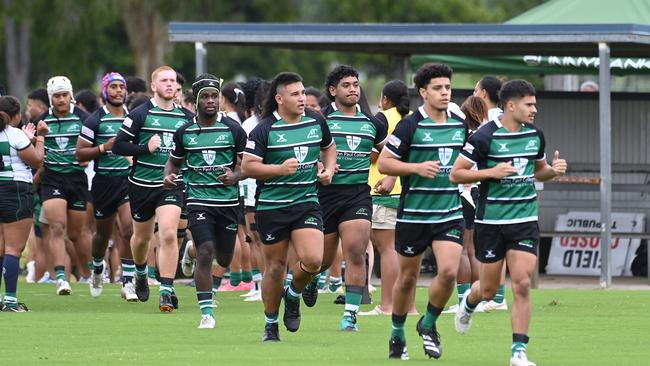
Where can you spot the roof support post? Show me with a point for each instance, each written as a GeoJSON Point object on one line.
{"type": "Point", "coordinates": [605, 166]}
{"type": "Point", "coordinates": [201, 54]}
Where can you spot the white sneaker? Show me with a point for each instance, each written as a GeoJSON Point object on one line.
{"type": "Point", "coordinates": [463, 319]}
{"type": "Point", "coordinates": [187, 262]}
{"type": "Point", "coordinates": [250, 293]}
{"type": "Point", "coordinates": [128, 292]}
{"type": "Point", "coordinates": [495, 306]}
{"type": "Point", "coordinates": [520, 359]}
{"type": "Point", "coordinates": [46, 278]}
{"type": "Point", "coordinates": [451, 310]}
{"type": "Point", "coordinates": [207, 322]}
{"type": "Point", "coordinates": [256, 297]}
{"type": "Point", "coordinates": [96, 284]}
{"type": "Point", "coordinates": [63, 287]}
{"type": "Point", "coordinates": [31, 272]}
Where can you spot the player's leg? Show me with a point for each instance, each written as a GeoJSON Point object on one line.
{"type": "Point", "coordinates": [15, 236]}
{"type": "Point", "coordinates": [55, 212]}
{"type": "Point", "coordinates": [168, 217]}
{"type": "Point", "coordinates": [355, 235]}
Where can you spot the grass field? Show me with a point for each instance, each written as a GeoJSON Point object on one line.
{"type": "Point", "coordinates": [570, 327]}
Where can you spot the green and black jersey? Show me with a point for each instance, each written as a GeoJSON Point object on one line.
{"type": "Point", "coordinates": [139, 127]}
{"type": "Point", "coordinates": [61, 140]}
{"type": "Point", "coordinates": [206, 152]}
{"type": "Point", "coordinates": [98, 129]}
{"type": "Point", "coordinates": [274, 141]}
{"type": "Point", "coordinates": [512, 199]}
{"type": "Point", "coordinates": [418, 139]}
{"type": "Point", "coordinates": [355, 136]}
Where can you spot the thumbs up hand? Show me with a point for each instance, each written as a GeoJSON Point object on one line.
{"type": "Point", "coordinates": [558, 165]}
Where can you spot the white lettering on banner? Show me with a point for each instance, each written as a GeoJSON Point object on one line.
{"type": "Point", "coordinates": [580, 255]}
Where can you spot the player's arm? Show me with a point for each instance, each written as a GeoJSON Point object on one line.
{"type": "Point", "coordinates": [125, 143]}
{"type": "Point", "coordinates": [462, 172]}
{"type": "Point", "coordinates": [544, 171]}
{"type": "Point", "coordinates": [87, 149]}
{"type": "Point", "coordinates": [254, 167]}
{"type": "Point", "coordinates": [175, 161]}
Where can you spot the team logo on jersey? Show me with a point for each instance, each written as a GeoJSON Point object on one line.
{"type": "Point", "coordinates": [221, 139]}
{"type": "Point", "coordinates": [313, 133]}
{"type": "Point", "coordinates": [300, 152]}
{"type": "Point", "coordinates": [490, 254]}
{"type": "Point", "coordinates": [366, 127]}
{"type": "Point", "coordinates": [427, 136]}
{"type": "Point", "coordinates": [362, 211]}
{"type": "Point", "coordinates": [281, 138]}
{"type": "Point", "coordinates": [179, 124]}
{"type": "Point", "coordinates": [109, 128]}
{"type": "Point", "coordinates": [62, 142]}
{"type": "Point", "coordinates": [208, 156]}
{"type": "Point", "coordinates": [353, 141]}
{"type": "Point", "coordinates": [532, 145]}
{"type": "Point", "coordinates": [168, 139]}
{"type": "Point", "coordinates": [192, 141]}
{"type": "Point", "coordinates": [156, 122]}
{"type": "Point", "coordinates": [73, 128]}
{"type": "Point", "coordinates": [503, 146]}
{"type": "Point", "coordinates": [444, 154]}
{"type": "Point", "coordinates": [520, 164]}
{"type": "Point", "coordinates": [200, 216]}
{"type": "Point", "coordinates": [458, 136]}
{"type": "Point", "coordinates": [335, 126]}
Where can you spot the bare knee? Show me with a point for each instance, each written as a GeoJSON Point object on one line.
{"type": "Point", "coordinates": [521, 287]}
{"type": "Point", "coordinates": [407, 280]}
{"type": "Point", "coordinates": [204, 256]}
{"type": "Point", "coordinates": [276, 270]}
{"type": "Point", "coordinates": [168, 236]}
{"type": "Point", "coordinates": [447, 275]}
{"type": "Point", "coordinates": [57, 229]}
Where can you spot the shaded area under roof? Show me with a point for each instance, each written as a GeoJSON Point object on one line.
{"type": "Point", "coordinates": [625, 40]}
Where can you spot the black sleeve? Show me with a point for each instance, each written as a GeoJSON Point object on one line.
{"type": "Point", "coordinates": [327, 140]}
{"type": "Point", "coordinates": [90, 128]}
{"type": "Point", "coordinates": [128, 137]}
{"type": "Point", "coordinates": [381, 128]}
{"type": "Point", "coordinates": [382, 118]}
{"type": "Point", "coordinates": [541, 155]}
{"type": "Point", "coordinates": [179, 150]}
{"type": "Point", "coordinates": [257, 140]}
{"type": "Point", "coordinates": [80, 113]}
{"type": "Point", "coordinates": [238, 134]}
{"type": "Point", "coordinates": [477, 147]}
{"type": "Point", "coordinates": [400, 141]}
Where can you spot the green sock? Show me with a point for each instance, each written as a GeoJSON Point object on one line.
{"type": "Point", "coordinates": [462, 287]}
{"type": "Point", "coordinates": [60, 273]}
{"type": "Point", "coordinates": [335, 283]}
{"type": "Point", "coordinates": [10, 299]}
{"type": "Point", "coordinates": [205, 302]}
{"type": "Point", "coordinates": [288, 279]}
{"type": "Point", "coordinates": [519, 342]}
{"type": "Point", "coordinates": [398, 327]}
{"type": "Point", "coordinates": [246, 276]}
{"type": "Point", "coordinates": [292, 293]}
{"type": "Point", "coordinates": [235, 278]}
{"type": "Point", "coordinates": [151, 272]}
{"type": "Point", "coordinates": [166, 286]}
{"type": "Point", "coordinates": [430, 316]}
{"type": "Point", "coordinates": [322, 278]}
{"type": "Point", "coordinates": [271, 318]}
{"type": "Point", "coordinates": [353, 296]}
{"type": "Point", "coordinates": [499, 297]}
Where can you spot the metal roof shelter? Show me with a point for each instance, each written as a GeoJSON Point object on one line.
{"type": "Point", "coordinates": [403, 40]}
